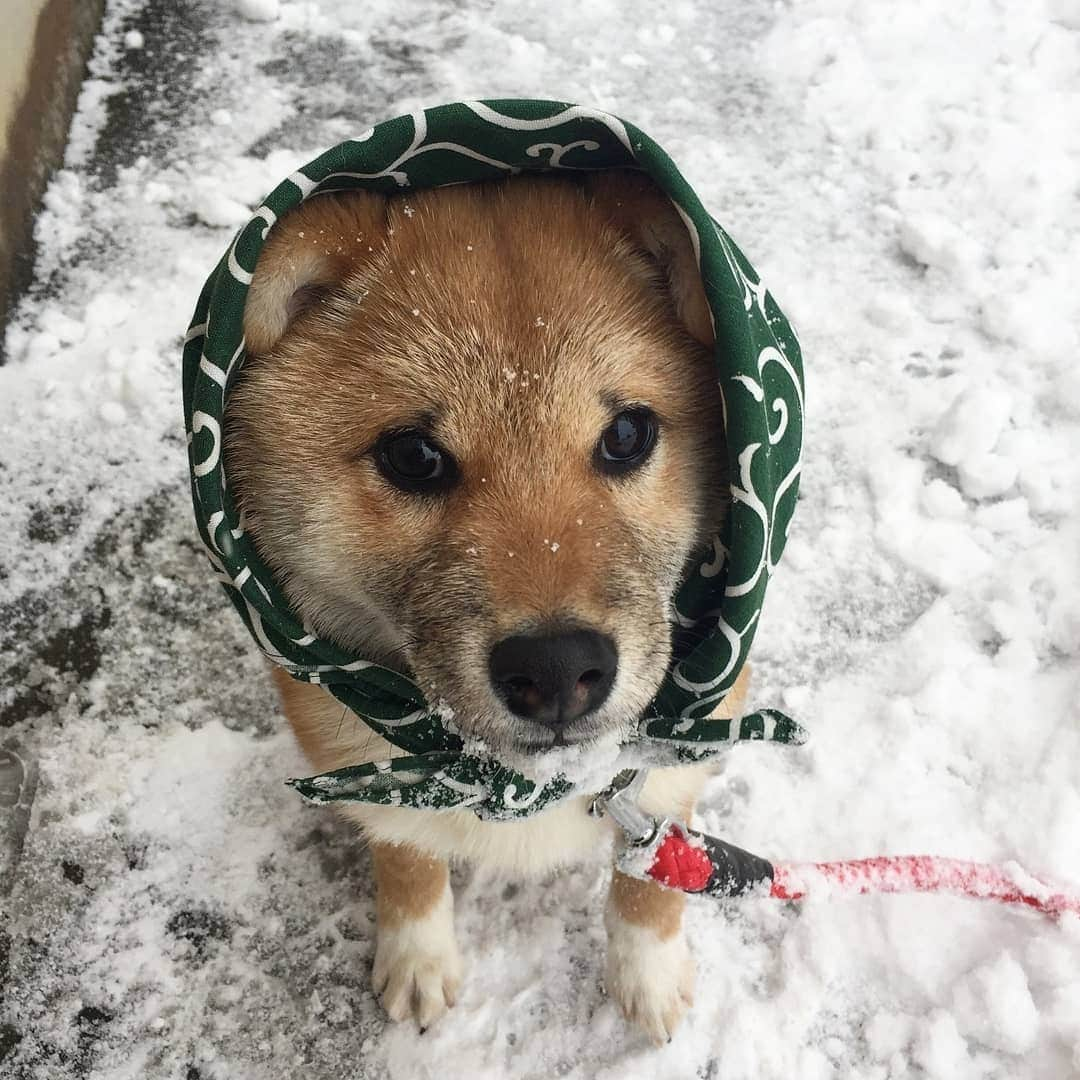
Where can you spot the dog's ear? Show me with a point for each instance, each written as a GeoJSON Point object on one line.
{"type": "Point", "coordinates": [646, 215]}
{"type": "Point", "coordinates": [312, 249]}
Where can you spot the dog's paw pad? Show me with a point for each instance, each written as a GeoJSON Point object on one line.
{"type": "Point", "coordinates": [651, 980]}
{"type": "Point", "coordinates": [418, 968]}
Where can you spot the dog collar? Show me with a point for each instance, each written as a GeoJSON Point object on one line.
{"type": "Point", "coordinates": [759, 371]}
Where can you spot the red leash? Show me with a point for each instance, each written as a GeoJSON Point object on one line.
{"type": "Point", "coordinates": [680, 858]}
{"type": "Point", "coordinates": [920, 873]}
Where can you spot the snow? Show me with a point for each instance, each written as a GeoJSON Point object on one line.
{"type": "Point", "coordinates": [907, 186]}
{"type": "Point", "coordinates": [258, 10]}
{"type": "Point", "coordinates": [993, 1004]}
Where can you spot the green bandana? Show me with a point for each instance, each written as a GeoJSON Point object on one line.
{"type": "Point", "coordinates": [760, 377]}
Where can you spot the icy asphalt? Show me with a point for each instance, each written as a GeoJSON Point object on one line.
{"type": "Point", "coordinates": [906, 179]}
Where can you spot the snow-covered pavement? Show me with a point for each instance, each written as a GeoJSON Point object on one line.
{"type": "Point", "coordinates": [906, 179]}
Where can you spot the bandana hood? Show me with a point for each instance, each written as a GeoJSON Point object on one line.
{"type": "Point", "coordinates": [759, 371]}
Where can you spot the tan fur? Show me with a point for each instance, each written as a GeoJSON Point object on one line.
{"type": "Point", "coordinates": [312, 250]}
{"type": "Point", "coordinates": [644, 903]}
{"type": "Point", "coordinates": [637, 207]}
{"type": "Point", "coordinates": [511, 320]}
{"type": "Point", "coordinates": [330, 736]}
{"type": "Point", "coordinates": [408, 884]}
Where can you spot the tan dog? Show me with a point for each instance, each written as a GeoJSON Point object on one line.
{"type": "Point", "coordinates": [477, 439]}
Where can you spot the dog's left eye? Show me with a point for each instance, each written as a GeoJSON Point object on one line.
{"type": "Point", "coordinates": [413, 461]}
{"type": "Point", "coordinates": [627, 441]}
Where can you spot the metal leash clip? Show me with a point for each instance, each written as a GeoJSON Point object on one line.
{"type": "Point", "coordinates": [642, 833]}
{"type": "Point", "coordinates": [620, 800]}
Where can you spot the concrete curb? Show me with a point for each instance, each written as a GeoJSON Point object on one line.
{"type": "Point", "coordinates": [43, 59]}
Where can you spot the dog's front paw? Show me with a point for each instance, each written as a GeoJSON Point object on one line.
{"type": "Point", "coordinates": [651, 978]}
{"type": "Point", "coordinates": [417, 965]}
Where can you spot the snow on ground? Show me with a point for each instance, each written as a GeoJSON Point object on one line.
{"type": "Point", "coordinates": [905, 177]}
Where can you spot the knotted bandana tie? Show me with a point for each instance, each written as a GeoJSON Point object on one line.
{"type": "Point", "coordinates": [759, 371]}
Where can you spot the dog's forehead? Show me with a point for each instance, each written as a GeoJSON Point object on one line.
{"type": "Point", "coordinates": [547, 367]}
{"type": "Point", "coordinates": [473, 362]}
{"type": "Point", "coordinates": [475, 299]}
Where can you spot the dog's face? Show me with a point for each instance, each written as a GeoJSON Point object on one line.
{"type": "Point", "coordinates": [479, 438]}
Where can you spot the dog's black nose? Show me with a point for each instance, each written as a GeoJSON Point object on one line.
{"type": "Point", "coordinates": [554, 678]}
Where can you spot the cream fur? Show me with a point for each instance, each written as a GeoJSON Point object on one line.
{"type": "Point", "coordinates": [417, 965]}
{"type": "Point", "coordinates": [650, 978]}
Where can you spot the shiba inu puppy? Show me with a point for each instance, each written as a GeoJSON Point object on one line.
{"type": "Point", "coordinates": [477, 439]}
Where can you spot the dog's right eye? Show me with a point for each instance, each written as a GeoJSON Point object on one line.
{"type": "Point", "coordinates": [413, 461]}
{"type": "Point", "coordinates": [627, 441]}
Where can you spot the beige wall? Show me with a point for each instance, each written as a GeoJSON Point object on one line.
{"type": "Point", "coordinates": [19, 19]}
{"type": "Point", "coordinates": [43, 49]}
